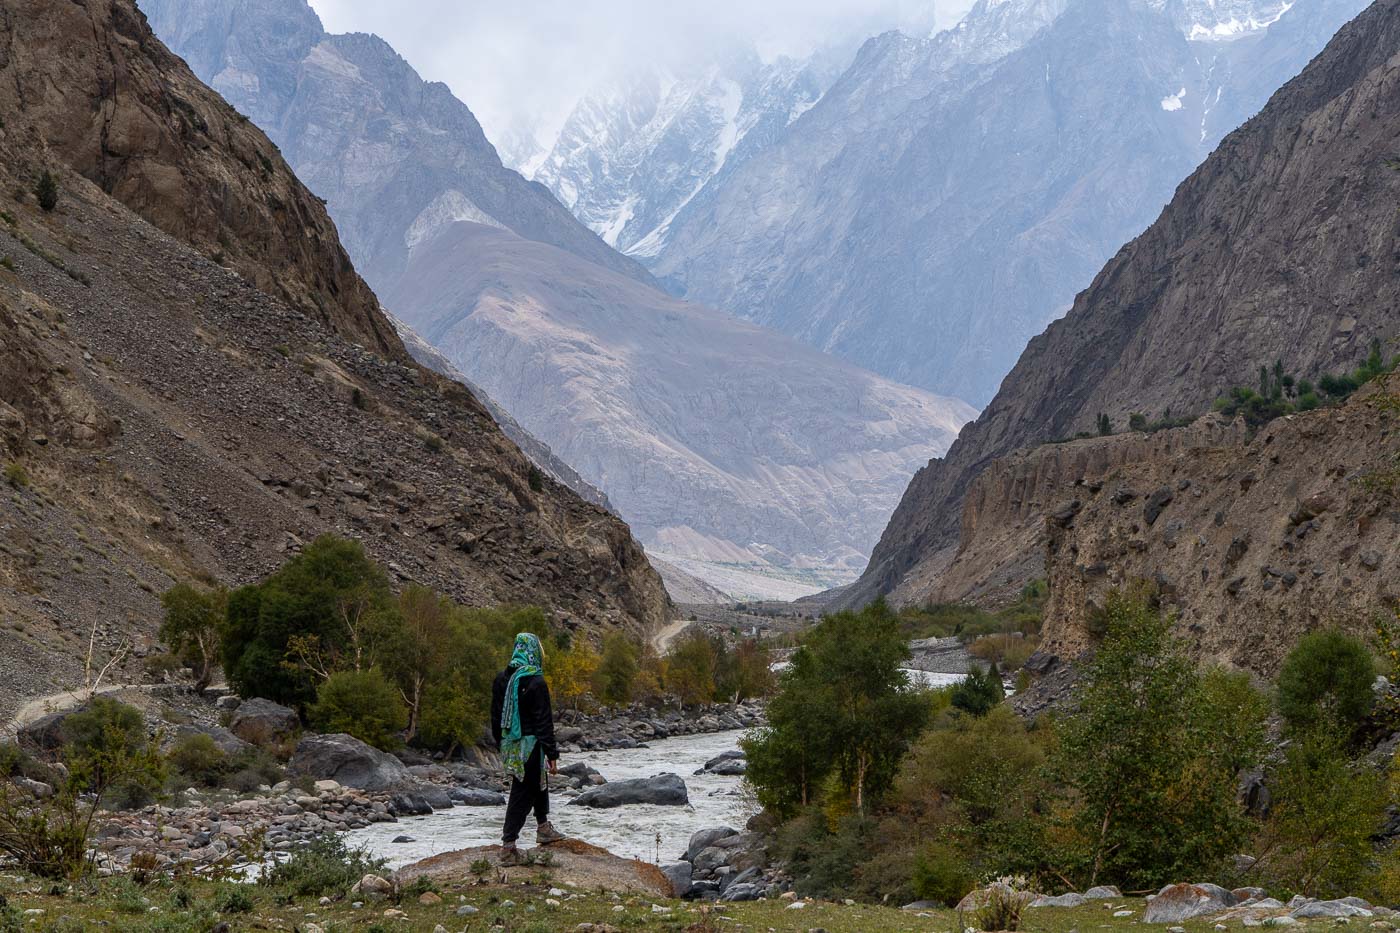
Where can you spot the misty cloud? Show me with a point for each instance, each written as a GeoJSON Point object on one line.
{"type": "Point", "coordinates": [527, 62]}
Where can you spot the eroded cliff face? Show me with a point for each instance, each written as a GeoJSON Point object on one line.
{"type": "Point", "coordinates": [1002, 538]}
{"type": "Point", "coordinates": [1282, 246]}
{"type": "Point", "coordinates": [92, 89]}
{"type": "Point", "coordinates": [1249, 545]}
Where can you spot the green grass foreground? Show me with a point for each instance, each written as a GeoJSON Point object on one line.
{"type": "Point", "coordinates": [165, 906]}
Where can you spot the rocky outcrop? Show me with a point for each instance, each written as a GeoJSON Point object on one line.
{"type": "Point", "coordinates": [1209, 293]}
{"type": "Point", "coordinates": [1249, 545]}
{"type": "Point", "coordinates": [572, 863]}
{"type": "Point", "coordinates": [91, 84]}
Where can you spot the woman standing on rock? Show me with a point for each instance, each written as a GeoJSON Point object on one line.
{"type": "Point", "coordinates": [523, 724]}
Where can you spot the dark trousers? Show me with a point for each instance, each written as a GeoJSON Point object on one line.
{"type": "Point", "coordinates": [529, 794]}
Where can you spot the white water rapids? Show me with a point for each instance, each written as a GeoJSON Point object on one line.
{"type": "Point", "coordinates": [630, 831]}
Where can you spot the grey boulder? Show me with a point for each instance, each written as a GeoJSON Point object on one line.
{"type": "Point", "coordinates": [224, 740]}
{"type": "Point", "coordinates": [475, 797]}
{"type": "Point", "coordinates": [679, 874]}
{"type": "Point", "coordinates": [1102, 892]}
{"type": "Point", "coordinates": [741, 892]}
{"type": "Point", "coordinates": [703, 839]}
{"type": "Point", "coordinates": [665, 790]}
{"type": "Point", "coordinates": [728, 764]}
{"type": "Point", "coordinates": [348, 761]}
{"type": "Point", "coordinates": [1348, 907]}
{"type": "Point", "coordinates": [1062, 900]}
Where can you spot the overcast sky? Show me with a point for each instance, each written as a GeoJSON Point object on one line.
{"type": "Point", "coordinates": [534, 56]}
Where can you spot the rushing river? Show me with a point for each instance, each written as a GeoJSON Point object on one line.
{"type": "Point", "coordinates": [630, 831]}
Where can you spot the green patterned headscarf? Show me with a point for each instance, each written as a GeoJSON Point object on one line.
{"type": "Point", "coordinates": [526, 661]}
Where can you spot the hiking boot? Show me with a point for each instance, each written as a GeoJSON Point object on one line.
{"type": "Point", "coordinates": [547, 834]}
{"type": "Point", "coordinates": [510, 856]}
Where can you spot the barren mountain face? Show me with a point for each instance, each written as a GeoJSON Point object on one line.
{"type": "Point", "coordinates": [194, 382]}
{"type": "Point", "coordinates": [1281, 247]}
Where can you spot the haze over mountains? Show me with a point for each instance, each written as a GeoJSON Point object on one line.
{"type": "Point", "coordinates": [947, 196]}
{"type": "Point", "coordinates": [731, 450]}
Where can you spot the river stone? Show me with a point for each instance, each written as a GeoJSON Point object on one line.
{"type": "Point", "coordinates": [679, 874]}
{"type": "Point", "coordinates": [1332, 909]}
{"type": "Point", "coordinates": [711, 858]}
{"type": "Point", "coordinates": [728, 764]}
{"type": "Point", "coordinates": [263, 722]}
{"type": "Point", "coordinates": [1102, 892]}
{"type": "Point", "coordinates": [667, 790]}
{"type": "Point", "coordinates": [703, 839]}
{"type": "Point", "coordinates": [740, 892]}
{"type": "Point", "coordinates": [475, 797]}
{"type": "Point", "coordinates": [409, 804]}
{"type": "Point", "coordinates": [1062, 900]}
{"type": "Point", "coordinates": [1178, 902]}
{"type": "Point", "coordinates": [349, 761]}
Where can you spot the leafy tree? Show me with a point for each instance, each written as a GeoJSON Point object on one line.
{"type": "Point", "coordinates": [363, 704]}
{"type": "Point", "coordinates": [743, 672]}
{"type": "Point", "coordinates": [1137, 422]}
{"type": "Point", "coordinates": [690, 669]}
{"type": "Point", "coordinates": [1325, 812]}
{"type": "Point", "coordinates": [570, 674]}
{"type": "Point", "coordinates": [1105, 425]}
{"type": "Point", "coordinates": [1326, 681]}
{"type": "Point", "coordinates": [980, 691]}
{"type": "Point", "coordinates": [844, 710]}
{"type": "Point", "coordinates": [1151, 792]}
{"type": "Point", "coordinates": [327, 609]}
{"type": "Point", "coordinates": [618, 669]}
{"type": "Point", "coordinates": [193, 622]}
{"type": "Point", "coordinates": [420, 650]}
{"type": "Point", "coordinates": [46, 191]}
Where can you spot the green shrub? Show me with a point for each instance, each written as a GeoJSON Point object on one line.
{"type": "Point", "coordinates": [325, 866]}
{"type": "Point", "coordinates": [363, 704]}
{"type": "Point", "coordinates": [16, 475]}
{"type": "Point", "coordinates": [1326, 681]}
{"type": "Point", "coordinates": [942, 874]}
{"type": "Point", "coordinates": [979, 691]}
{"type": "Point", "coordinates": [46, 191]}
{"type": "Point", "coordinates": [100, 745]}
{"type": "Point", "coordinates": [8, 263]}
{"type": "Point", "coordinates": [199, 758]}
{"type": "Point", "coordinates": [234, 899]}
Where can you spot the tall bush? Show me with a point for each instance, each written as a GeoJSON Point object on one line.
{"type": "Point", "coordinates": [363, 704]}
{"type": "Point", "coordinates": [1326, 682]}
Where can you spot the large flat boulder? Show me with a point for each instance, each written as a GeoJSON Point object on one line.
{"type": "Point", "coordinates": [573, 864]}
{"type": "Point", "coordinates": [347, 760]}
{"type": "Point", "coordinates": [1179, 902]}
{"type": "Point", "coordinates": [665, 790]}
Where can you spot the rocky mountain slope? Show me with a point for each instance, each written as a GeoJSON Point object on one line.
{"type": "Point", "coordinates": [1252, 544]}
{"type": "Point", "coordinates": [721, 443]}
{"type": "Point", "coordinates": [1282, 246]}
{"type": "Point", "coordinates": [947, 197]}
{"type": "Point", "coordinates": [164, 417]}
{"type": "Point", "coordinates": [388, 151]}
{"type": "Point", "coordinates": [732, 451]}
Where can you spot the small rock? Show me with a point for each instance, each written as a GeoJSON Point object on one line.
{"type": "Point", "coordinates": [429, 899]}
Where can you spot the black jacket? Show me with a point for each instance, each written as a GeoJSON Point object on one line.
{"type": "Point", "coordinates": [536, 716]}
